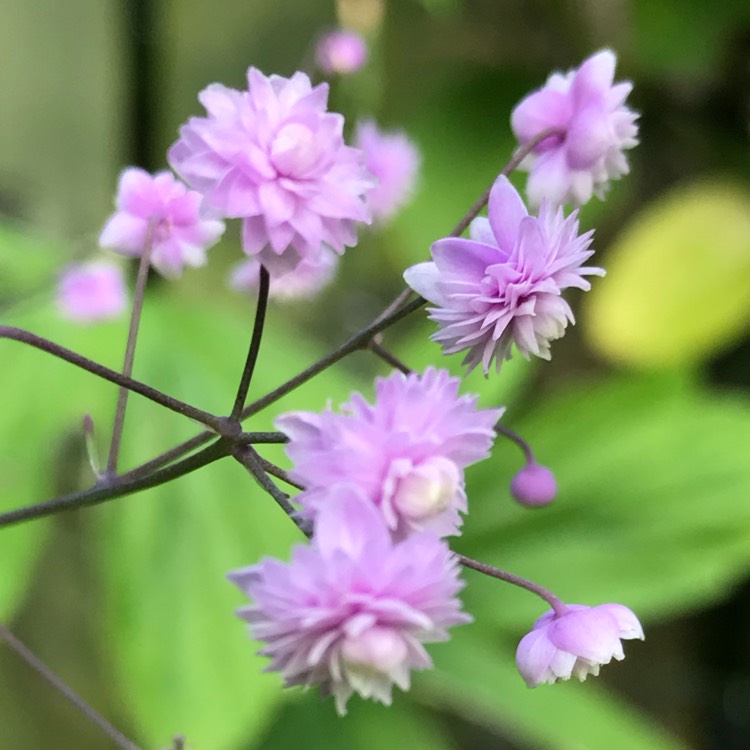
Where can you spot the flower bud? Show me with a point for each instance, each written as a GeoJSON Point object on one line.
{"type": "Point", "coordinates": [534, 486]}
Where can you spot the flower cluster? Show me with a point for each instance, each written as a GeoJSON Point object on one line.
{"type": "Point", "coordinates": [91, 292]}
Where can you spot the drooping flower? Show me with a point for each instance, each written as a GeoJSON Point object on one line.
{"type": "Point", "coordinates": [341, 52]}
{"type": "Point", "coordinates": [394, 160]}
{"type": "Point", "coordinates": [91, 292]}
{"type": "Point", "coordinates": [406, 452]}
{"type": "Point", "coordinates": [305, 281]}
{"type": "Point", "coordinates": [503, 286]}
{"type": "Point", "coordinates": [534, 485]}
{"type": "Point", "coordinates": [275, 158]}
{"type": "Point", "coordinates": [575, 644]}
{"type": "Point", "coordinates": [160, 210]}
{"type": "Point", "coordinates": [595, 128]}
{"type": "Point", "coordinates": [351, 611]}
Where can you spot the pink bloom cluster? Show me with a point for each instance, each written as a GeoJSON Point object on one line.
{"type": "Point", "coordinates": [341, 52]}
{"type": "Point", "coordinates": [159, 211]}
{"type": "Point", "coordinates": [503, 286]}
{"type": "Point", "coordinates": [275, 158]}
{"type": "Point", "coordinates": [351, 611]}
{"type": "Point", "coordinates": [406, 452]}
{"type": "Point", "coordinates": [594, 127]}
{"type": "Point", "coordinates": [394, 160]}
{"type": "Point", "coordinates": [91, 292]}
{"type": "Point", "coordinates": [576, 643]}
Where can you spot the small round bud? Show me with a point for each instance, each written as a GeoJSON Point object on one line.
{"type": "Point", "coordinates": [534, 486]}
{"type": "Point", "coordinates": [341, 52]}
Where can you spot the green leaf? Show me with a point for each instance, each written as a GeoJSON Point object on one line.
{"type": "Point", "coordinates": [183, 660]}
{"type": "Point", "coordinates": [678, 280]}
{"type": "Point", "coordinates": [653, 504]}
{"type": "Point", "coordinates": [476, 677]}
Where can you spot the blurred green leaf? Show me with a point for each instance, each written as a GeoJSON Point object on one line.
{"type": "Point", "coordinates": [476, 677]}
{"type": "Point", "coordinates": [184, 662]}
{"type": "Point", "coordinates": [653, 509]}
{"type": "Point", "coordinates": [678, 280]}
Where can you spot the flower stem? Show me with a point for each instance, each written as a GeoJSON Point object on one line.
{"type": "Point", "coordinates": [556, 603]}
{"type": "Point", "coordinates": [127, 366]}
{"type": "Point", "coordinates": [387, 356]}
{"type": "Point", "coordinates": [25, 653]}
{"type": "Point", "coordinates": [517, 439]}
{"type": "Point", "coordinates": [252, 354]}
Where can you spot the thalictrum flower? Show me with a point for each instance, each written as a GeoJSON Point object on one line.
{"type": "Point", "coordinates": [159, 210]}
{"type": "Point", "coordinates": [274, 157]}
{"type": "Point", "coordinates": [91, 292]}
{"type": "Point", "coordinates": [594, 126]}
{"type": "Point", "coordinates": [407, 451]}
{"type": "Point", "coordinates": [576, 643]}
{"type": "Point", "coordinates": [503, 286]}
{"type": "Point", "coordinates": [351, 611]}
{"type": "Point", "coordinates": [341, 52]}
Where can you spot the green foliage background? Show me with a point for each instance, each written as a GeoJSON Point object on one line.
{"type": "Point", "coordinates": [128, 602]}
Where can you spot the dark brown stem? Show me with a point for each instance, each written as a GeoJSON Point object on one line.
{"type": "Point", "coordinates": [387, 356]}
{"type": "Point", "coordinates": [168, 402]}
{"type": "Point", "coordinates": [279, 473]}
{"type": "Point", "coordinates": [25, 653]}
{"type": "Point", "coordinates": [517, 439]}
{"type": "Point", "coordinates": [252, 354]}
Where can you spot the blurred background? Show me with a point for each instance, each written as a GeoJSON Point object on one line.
{"type": "Point", "coordinates": [643, 413]}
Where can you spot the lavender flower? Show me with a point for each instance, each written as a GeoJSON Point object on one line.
{"type": "Point", "coordinates": [406, 452]}
{"type": "Point", "coordinates": [91, 292]}
{"type": "Point", "coordinates": [394, 160]}
{"type": "Point", "coordinates": [159, 209]}
{"type": "Point", "coordinates": [351, 611]}
{"type": "Point", "coordinates": [575, 643]}
{"type": "Point", "coordinates": [341, 52]}
{"type": "Point", "coordinates": [305, 281]}
{"type": "Point", "coordinates": [503, 286]}
{"type": "Point", "coordinates": [595, 129]}
{"type": "Point", "coordinates": [534, 485]}
{"type": "Point", "coordinates": [275, 158]}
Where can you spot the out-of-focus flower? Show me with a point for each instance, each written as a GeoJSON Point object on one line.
{"type": "Point", "coordinates": [503, 286]}
{"type": "Point", "coordinates": [534, 486]}
{"type": "Point", "coordinates": [595, 127]}
{"type": "Point", "coordinates": [394, 160]}
{"type": "Point", "coordinates": [575, 644]}
{"type": "Point", "coordinates": [341, 52]}
{"type": "Point", "coordinates": [159, 209]}
{"type": "Point", "coordinates": [305, 281]}
{"type": "Point", "coordinates": [406, 452]}
{"type": "Point", "coordinates": [90, 292]}
{"type": "Point", "coordinates": [275, 158]}
{"type": "Point", "coordinates": [351, 611]}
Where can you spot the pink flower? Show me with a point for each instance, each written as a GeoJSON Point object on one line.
{"type": "Point", "coordinates": [503, 286]}
{"type": "Point", "coordinates": [161, 210]}
{"type": "Point", "coordinates": [576, 643]}
{"type": "Point", "coordinates": [341, 52]}
{"type": "Point", "coordinates": [91, 292]}
{"type": "Point", "coordinates": [534, 486]}
{"type": "Point", "coordinates": [595, 129]}
{"type": "Point", "coordinates": [351, 611]}
{"type": "Point", "coordinates": [275, 158]}
{"type": "Point", "coordinates": [394, 160]}
{"type": "Point", "coordinates": [305, 281]}
{"type": "Point", "coordinates": [406, 452]}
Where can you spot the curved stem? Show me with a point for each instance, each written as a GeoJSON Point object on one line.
{"type": "Point", "coordinates": [127, 365]}
{"type": "Point", "coordinates": [556, 603]}
{"type": "Point", "coordinates": [32, 660]}
{"type": "Point", "coordinates": [517, 439]}
{"type": "Point", "coordinates": [158, 397]}
{"type": "Point", "coordinates": [117, 487]}
{"type": "Point", "coordinates": [252, 354]}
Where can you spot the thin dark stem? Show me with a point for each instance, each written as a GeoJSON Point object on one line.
{"type": "Point", "coordinates": [253, 438]}
{"type": "Point", "coordinates": [252, 354]}
{"type": "Point", "coordinates": [517, 439]}
{"type": "Point", "coordinates": [127, 365]}
{"type": "Point", "coordinates": [117, 487]}
{"type": "Point", "coordinates": [557, 604]}
{"type": "Point", "coordinates": [25, 653]}
{"type": "Point", "coordinates": [387, 356]}
{"type": "Point", "coordinates": [279, 473]}
{"type": "Point", "coordinates": [248, 457]}
{"type": "Point", "coordinates": [218, 424]}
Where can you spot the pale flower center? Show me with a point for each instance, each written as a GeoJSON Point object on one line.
{"type": "Point", "coordinates": [428, 489]}
{"type": "Point", "coordinates": [377, 651]}
{"type": "Point", "coordinates": [294, 150]}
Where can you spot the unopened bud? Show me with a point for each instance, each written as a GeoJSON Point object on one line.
{"type": "Point", "coordinates": [534, 486]}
